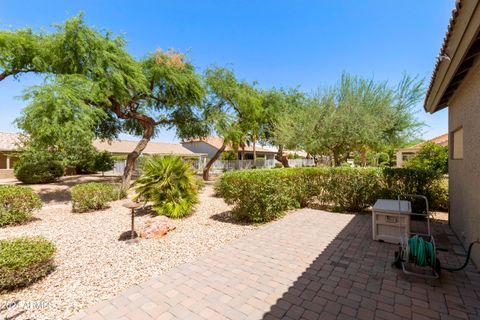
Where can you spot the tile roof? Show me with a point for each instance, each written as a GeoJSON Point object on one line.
{"type": "Point", "coordinates": [440, 140]}
{"type": "Point", "coordinates": [217, 142]}
{"type": "Point", "coordinates": [8, 141]}
{"type": "Point", "coordinates": [127, 146]}
{"type": "Point", "coordinates": [451, 25]}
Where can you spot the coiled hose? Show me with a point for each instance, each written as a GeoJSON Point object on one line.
{"type": "Point", "coordinates": [422, 252]}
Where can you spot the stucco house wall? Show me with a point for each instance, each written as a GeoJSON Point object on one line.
{"type": "Point", "coordinates": [464, 174]}
{"type": "Point", "coordinates": [200, 147]}
{"type": "Point", "coordinates": [7, 160]}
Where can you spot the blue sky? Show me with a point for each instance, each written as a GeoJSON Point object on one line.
{"type": "Point", "coordinates": [275, 42]}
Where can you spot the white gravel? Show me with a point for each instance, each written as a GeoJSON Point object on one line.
{"type": "Point", "coordinates": [93, 265]}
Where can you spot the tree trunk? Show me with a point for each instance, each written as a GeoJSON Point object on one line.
{"type": "Point", "coordinates": [363, 157]}
{"type": "Point", "coordinates": [254, 140]}
{"type": "Point", "coordinates": [206, 170]}
{"type": "Point", "coordinates": [133, 156]}
{"type": "Point", "coordinates": [3, 75]}
{"type": "Point", "coordinates": [336, 159]}
{"type": "Point", "coordinates": [237, 159]}
{"type": "Point", "coordinates": [280, 157]}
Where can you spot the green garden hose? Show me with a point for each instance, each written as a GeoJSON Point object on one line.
{"type": "Point", "coordinates": [422, 252]}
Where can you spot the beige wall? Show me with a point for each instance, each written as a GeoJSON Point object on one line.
{"type": "Point", "coordinates": [464, 184]}
{"type": "Point", "coordinates": [6, 174]}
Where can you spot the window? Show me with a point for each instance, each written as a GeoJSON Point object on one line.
{"type": "Point", "coordinates": [457, 144]}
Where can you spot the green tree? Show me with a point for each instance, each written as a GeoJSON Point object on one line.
{"type": "Point", "coordinates": [232, 107]}
{"type": "Point", "coordinates": [354, 116]}
{"type": "Point", "coordinates": [103, 161]}
{"type": "Point", "coordinates": [279, 108]}
{"type": "Point", "coordinates": [133, 96]}
{"type": "Point", "coordinates": [431, 156]}
{"type": "Point", "coordinates": [59, 124]}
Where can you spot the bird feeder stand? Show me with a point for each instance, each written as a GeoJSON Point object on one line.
{"type": "Point", "coordinates": [132, 206]}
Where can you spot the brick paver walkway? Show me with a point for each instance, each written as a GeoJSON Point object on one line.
{"type": "Point", "coordinates": [309, 265]}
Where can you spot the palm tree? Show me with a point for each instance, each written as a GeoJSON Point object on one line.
{"type": "Point", "coordinates": [169, 183]}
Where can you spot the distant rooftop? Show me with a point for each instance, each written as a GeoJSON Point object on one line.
{"type": "Point", "coordinates": [217, 142]}
{"type": "Point", "coordinates": [440, 140]}
{"type": "Point", "coordinates": [127, 146]}
{"type": "Point", "coordinates": [8, 141]}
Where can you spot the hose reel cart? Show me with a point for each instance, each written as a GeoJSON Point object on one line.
{"type": "Point", "coordinates": [417, 254]}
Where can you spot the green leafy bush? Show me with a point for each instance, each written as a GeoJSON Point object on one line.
{"type": "Point", "coordinates": [43, 171]}
{"type": "Point", "coordinates": [228, 155]}
{"type": "Point", "coordinates": [200, 183]}
{"type": "Point", "coordinates": [168, 182]}
{"type": "Point", "coordinates": [431, 157]}
{"type": "Point", "coordinates": [261, 195]}
{"type": "Point", "coordinates": [415, 181]}
{"type": "Point", "coordinates": [351, 189]}
{"type": "Point", "coordinates": [264, 195]}
{"type": "Point", "coordinates": [439, 195]}
{"type": "Point", "coordinates": [24, 260]}
{"type": "Point", "coordinates": [94, 196]}
{"type": "Point", "coordinates": [103, 161]}
{"type": "Point", "coordinates": [17, 204]}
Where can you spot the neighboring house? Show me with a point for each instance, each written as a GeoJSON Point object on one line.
{"type": "Point", "coordinates": [456, 84]}
{"type": "Point", "coordinates": [9, 150]}
{"type": "Point", "coordinates": [406, 153]}
{"type": "Point", "coordinates": [124, 147]}
{"type": "Point", "coordinates": [8, 156]}
{"type": "Point", "coordinates": [210, 146]}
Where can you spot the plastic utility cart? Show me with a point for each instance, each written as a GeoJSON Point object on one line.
{"type": "Point", "coordinates": [391, 219]}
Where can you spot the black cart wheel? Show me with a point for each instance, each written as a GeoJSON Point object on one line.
{"type": "Point", "coordinates": [438, 267]}
{"type": "Point", "coordinates": [398, 258]}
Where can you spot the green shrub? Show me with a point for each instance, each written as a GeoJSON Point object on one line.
{"type": "Point", "coordinates": [352, 189]}
{"type": "Point", "coordinates": [415, 181]}
{"type": "Point", "coordinates": [17, 204]}
{"type": "Point", "coordinates": [94, 196]}
{"type": "Point", "coordinates": [103, 161]}
{"type": "Point", "coordinates": [24, 260]}
{"type": "Point", "coordinates": [228, 155]}
{"type": "Point", "coordinates": [261, 195]}
{"type": "Point", "coordinates": [431, 157]}
{"type": "Point", "coordinates": [264, 195]}
{"type": "Point", "coordinates": [200, 183]}
{"type": "Point", "coordinates": [278, 165]}
{"type": "Point", "coordinates": [439, 195]}
{"type": "Point", "coordinates": [119, 158]}
{"type": "Point", "coordinates": [43, 171]}
{"type": "Point", "coordinates": [170, 183]}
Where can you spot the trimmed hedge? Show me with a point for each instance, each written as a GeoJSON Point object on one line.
{"type": "Point", "coordinates": [264, 195]}
{"type": "Point", "coordinates": [94, 196]}
{"type": "Point", "coordinates": [43, 171]}
{"type": "Point", "coordinates": [17, 204]}
{"type": "Point", "coordinates": [24, 260]}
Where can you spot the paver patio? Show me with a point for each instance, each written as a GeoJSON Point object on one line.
{"type": "Point", "coordinates": [309, 265]}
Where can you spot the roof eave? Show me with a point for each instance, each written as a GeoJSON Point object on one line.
{"type": "Point", "coordinates": [462, 32]}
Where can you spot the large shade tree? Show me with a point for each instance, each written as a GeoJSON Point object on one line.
{"type": "Point", "coordinates": [357, 114]}
{"type": "Point", "coordinates": [233, 107]}
{"type": "Point", "coordinates": [279, 107]}
{"type": "Point", "coordinates": [133, 96]}
{"type": "Point", "coordinates": [59, 125]}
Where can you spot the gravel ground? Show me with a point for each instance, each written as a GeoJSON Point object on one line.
{"type": "Point", "coordinates": [93, 265]}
